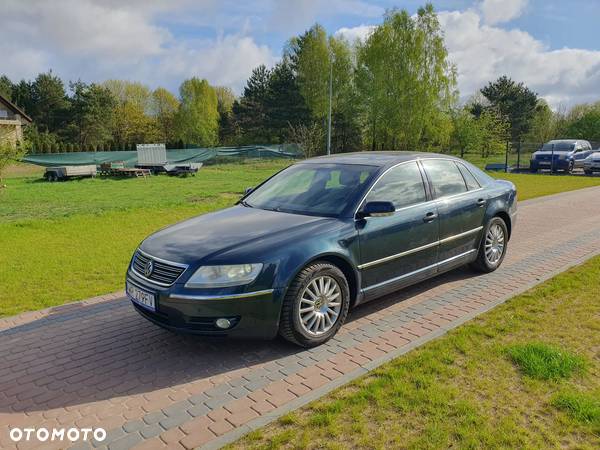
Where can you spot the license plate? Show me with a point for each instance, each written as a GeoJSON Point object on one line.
{"type": "Point", "coordinates": [140, 297]}
{"type": "Point", "coordinates": [544, 163]}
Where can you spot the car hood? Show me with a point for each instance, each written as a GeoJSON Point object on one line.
{"type": "Point", "coordinates": [212, 234]}
{"type": "Point", "coordinates": [549, 153]}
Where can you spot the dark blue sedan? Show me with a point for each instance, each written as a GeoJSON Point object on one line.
{"type": "Point", "coordinates": [318, 238]}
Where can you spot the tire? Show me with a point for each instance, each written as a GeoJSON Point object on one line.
{"type": "Point", "coordinates": [295, 325]}
{"type": "Point", "coordinates": [571, 167]}
{"type": "Point", "coordinates": [533, 170]}
{"type": "Point", "coordinates": [51, 177]}
{"type": "Point", "coordinates": [488, 262]}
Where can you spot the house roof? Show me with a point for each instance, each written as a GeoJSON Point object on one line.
{"type": "Point", "coordinates": [15, 108]}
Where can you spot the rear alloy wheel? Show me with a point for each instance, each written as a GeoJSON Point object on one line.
{"type": "Point", "coordinates": [315, 306]}
{"type": "Point", "coordinates": [493, 246]}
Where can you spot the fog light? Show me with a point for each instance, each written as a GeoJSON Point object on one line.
{"type": "Point", "coordinates": [223, 323]}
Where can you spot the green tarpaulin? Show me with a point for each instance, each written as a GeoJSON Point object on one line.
{"type": "Point", "coordinates": [174, 156]}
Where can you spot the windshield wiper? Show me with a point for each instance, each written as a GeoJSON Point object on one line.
{"type": "Point", "coordinates": [245, 203]}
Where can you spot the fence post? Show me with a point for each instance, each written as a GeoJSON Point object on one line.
{"type": "Point", "coordinates": [506, 157]}
{"type": "Point", "coordinates": [519, 155]}
{"type": "Point", "coordinates": [552, 158]}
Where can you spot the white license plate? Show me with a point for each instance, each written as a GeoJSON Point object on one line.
{"type": "Point", "coordinates": [140, 297]}
{"type": "Point", "coordinates": [544, 163]}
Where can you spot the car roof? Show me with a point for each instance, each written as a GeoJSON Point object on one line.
{"type": "Point", "coordinates": [378, 159]}
{"type": "Point", "coordinates": [567, 141]}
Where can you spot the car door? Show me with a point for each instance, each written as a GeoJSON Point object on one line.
{"type": "Point", "coordinates": [581, 153]}
{"type": "Point", "coordinates": [461, 203]}
{"type": "Point", "coordinates": [397, 249]}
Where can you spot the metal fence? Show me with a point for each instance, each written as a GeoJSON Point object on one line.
{"type": "Point", "coordinates": [516, 156]}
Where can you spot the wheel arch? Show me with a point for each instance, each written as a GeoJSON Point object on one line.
{"type": "Point", "coordinates": [342, 263]}
{"type": "Point", "coordinates": [506, 218]}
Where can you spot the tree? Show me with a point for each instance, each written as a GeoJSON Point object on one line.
{"type": "Point", "coordinates": [543, 126]}
{"type": "Point", "coordinates": [284, 104]}
{"type": "Point", "coordinates": [584, 122]}
{"type": "Point", "coordinates": [198, 116]}
{"type": "Point", "coordinates": [10, 151]}
{"type": "Point", "coordinates": [164, 109]}
{"type": "Point", "coordinates": [133, 104]}
{"type": "Point", "coordinates": [250, 111]}
{"type": "Point", "coordinates": [485, 134]}
{"type": "Point", "coordinates": [6, 87]}
{"type": "Point", "coordinates": [92, 107]}
{"type": "Point", "coordinates": [515, 101]}
{"type": "Point", "coordinates": [404, 80]}
{"type": "Point", "coordinates": [48, 102]}
{"type": "Point", "coordinates": [309, 137]}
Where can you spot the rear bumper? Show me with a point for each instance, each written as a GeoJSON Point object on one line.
{"type": "Point", "coordinates": [252, 314]}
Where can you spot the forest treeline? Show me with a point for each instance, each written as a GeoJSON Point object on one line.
{"type": "Point", "coordinates": [394, 90]}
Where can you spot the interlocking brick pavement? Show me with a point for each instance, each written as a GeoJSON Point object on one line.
{"type": "Point", "coordinates": [97, 363]}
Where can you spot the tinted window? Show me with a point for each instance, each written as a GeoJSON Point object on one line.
{"type": "Point", "coordinates": [317, 189]}
{"type": "Point", "coordinates": [402, 185]}
{"type": "Point", "coordinates": [445, 177]}
{"type": "Point", "coordinates": [471, 181]}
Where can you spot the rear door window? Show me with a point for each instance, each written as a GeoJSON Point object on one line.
{"type": "Point", "coordinates": [445, 177]}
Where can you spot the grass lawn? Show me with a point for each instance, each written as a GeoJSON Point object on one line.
{"type": "Point", "coordinates": [524, 375]}
{"type": "Point", "coordinates": [72, 240]}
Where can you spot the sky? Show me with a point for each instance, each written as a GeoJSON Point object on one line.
{"type": "Point", "coordinates": [550, 45]}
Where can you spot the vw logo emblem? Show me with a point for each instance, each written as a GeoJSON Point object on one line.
{"type": "Point", "coordinates": [148, 268]}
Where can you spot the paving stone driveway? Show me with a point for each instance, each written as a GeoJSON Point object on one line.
{"type": "Point", "coordinates": [98, 364]}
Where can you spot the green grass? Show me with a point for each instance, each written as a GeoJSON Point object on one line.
{"type": "Point", "coordinates": [545, 362]}
{"type": "Point", "coordinates": [67, 241]}
{"type": "Point", "coordinates": [461, 390]}
{"type": "Point", "coordinates": [583, 408]}
{"type": "Point", "coordinates": [61, 242]}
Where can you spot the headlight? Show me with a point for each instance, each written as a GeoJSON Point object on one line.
{"type": "Point", "coordinates": [563, 156]}
{"type": "Point", "coordinates": [224, 276]}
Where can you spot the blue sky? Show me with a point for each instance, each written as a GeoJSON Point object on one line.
{"type": "Point", "coordinates": [550, 45]}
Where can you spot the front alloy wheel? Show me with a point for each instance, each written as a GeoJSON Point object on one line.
{"type": "Point", "coordinates": [315, 305]}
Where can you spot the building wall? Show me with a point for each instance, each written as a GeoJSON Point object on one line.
{"type": "Point", "coordinates": [10, 131]}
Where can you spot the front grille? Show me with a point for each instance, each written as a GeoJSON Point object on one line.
{"type": "Point", "coordinates": [162, 272]}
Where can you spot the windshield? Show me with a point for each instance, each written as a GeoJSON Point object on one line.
{"type": "Point", "coordinates": [559, 147]}
{"type": "Point", "coordinates": [313, 189]}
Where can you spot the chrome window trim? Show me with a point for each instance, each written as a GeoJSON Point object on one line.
{"type": "Point", "coordinates": [406, 275]}
{"type": "Point", "coordinates": [165, 261]}
{"type": "Point", "coordinates": [433, 200]}
{"type": "Point", "coordinates": [418, 249]}
{"type": "Point", "coordinates": [221, 297]}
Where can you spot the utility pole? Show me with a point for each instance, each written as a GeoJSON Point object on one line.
{"type": "Point", "coordinates": [330, 101]}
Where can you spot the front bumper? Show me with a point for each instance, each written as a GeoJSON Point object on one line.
{"type": "Point", "coordinates": [252, 314]}
{"type": "Point", "coordinates": [593, 166]}
{"type": "Point", "coordinates": [559, 164]}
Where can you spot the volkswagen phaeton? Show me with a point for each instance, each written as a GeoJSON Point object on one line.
{"type": "Point", "coordinates": [318, 238]}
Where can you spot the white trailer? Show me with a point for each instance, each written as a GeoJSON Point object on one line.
{"type": "Point", "coordinates": [151, 156]}
{"type": "Point", "coordinates": [64, 172]}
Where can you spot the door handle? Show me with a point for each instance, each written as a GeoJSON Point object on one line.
{"type": "Point", "coordinates": [481, 202]}
{"type": "Point", "coordinates": [430, 217]}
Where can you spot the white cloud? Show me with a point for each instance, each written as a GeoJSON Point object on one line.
{"type": "Point", "coordinates": [360, 32]}
{"type": "Point", "coordinates": [482, 53]}
{"type": "Point", "coordinates": [95, 40]}
{"type": "Point", "coordinates": [499, 11]}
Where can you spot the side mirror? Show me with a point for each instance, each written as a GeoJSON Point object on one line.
{"type": "Point", "coordinates": [248, 190]}
{"type": "Point", "coordinates": [377, 209]}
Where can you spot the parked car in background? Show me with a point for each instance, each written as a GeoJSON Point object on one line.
{"type": "Point", "coordinates": [592, 163]}
{"type": "Point", "coordinates": [561, 155]}
{"type": "Point", "coordinates": [318, 238]}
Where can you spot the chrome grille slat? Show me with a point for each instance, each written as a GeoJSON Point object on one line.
{"type": "Point", "coordinates": [163, 273]}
